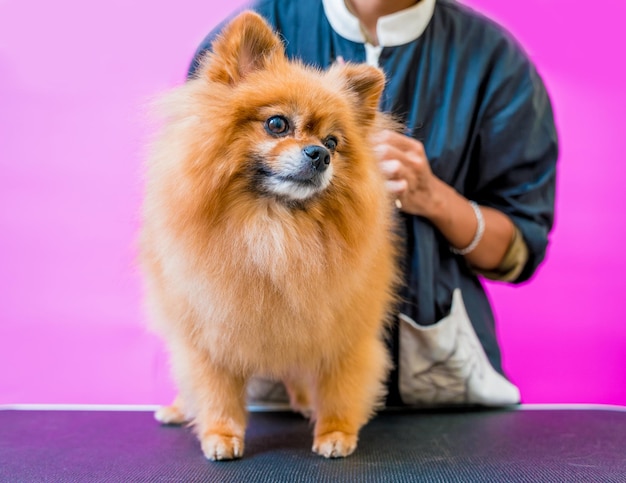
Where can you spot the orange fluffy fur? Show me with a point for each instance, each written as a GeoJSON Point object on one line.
{"type": "Point", "coordinates": [240, 282]}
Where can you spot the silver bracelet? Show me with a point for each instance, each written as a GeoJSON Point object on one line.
{"type": "Point", "coordinates": [480, 231]}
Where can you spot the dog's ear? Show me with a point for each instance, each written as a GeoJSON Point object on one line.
{"type": "Point", "coordinates": [366, 83]}
{"type": "Point", "coordinates": [245, 45]}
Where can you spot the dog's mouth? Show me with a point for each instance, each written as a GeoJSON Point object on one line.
{"type": "Point", "coordinates": [293, 187]}
{"type": "Point", "coordinates": [295, 178]}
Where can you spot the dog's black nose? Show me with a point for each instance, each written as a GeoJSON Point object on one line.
{"type": "Point", "coordinates": [319, 156]}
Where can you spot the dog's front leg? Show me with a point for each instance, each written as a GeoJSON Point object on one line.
{"type": "Point", "coordinates": [216, 398]}
{"type": "Point", "coordinates": [348, 392]}
{"type": "Point", "coordinates": [221, 417]}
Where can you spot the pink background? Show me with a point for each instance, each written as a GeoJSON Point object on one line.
{"type": "Point", "coordinates": [74, 76]}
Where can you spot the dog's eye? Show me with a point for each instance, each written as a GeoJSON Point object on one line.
{"type": "Point", "coordinates": [331, 143]}
{"type": "Point", "coordinates": [277, 126]}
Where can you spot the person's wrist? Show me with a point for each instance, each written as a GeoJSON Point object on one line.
{"type": "Point", "coordinates": [478, 234]}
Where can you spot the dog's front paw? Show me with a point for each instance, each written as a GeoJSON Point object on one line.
{"type": "Point", "coordinates": [170, 415]}
{"type": "Point", "coordinates": [218, 447]}
{"type": "Point", "coordinates": [335, 444]}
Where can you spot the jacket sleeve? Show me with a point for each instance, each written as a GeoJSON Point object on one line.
{"type": "Point", "coordinates": [517, 150]}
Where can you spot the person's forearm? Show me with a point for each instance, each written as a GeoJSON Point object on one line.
{"type": "Point", "coordinates": [454, 217]}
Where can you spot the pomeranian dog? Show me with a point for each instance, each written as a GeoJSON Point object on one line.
{"type": "Point", "coordinates": [267, 241]}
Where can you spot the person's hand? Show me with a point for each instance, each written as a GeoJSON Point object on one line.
{"type": "Point", "coordinates": [406, 169]}
{"type": "Point", "coordinates": [409, 178]}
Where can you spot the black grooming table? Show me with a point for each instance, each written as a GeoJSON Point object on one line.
{"type": "Point", "coordinates": [432, 446]}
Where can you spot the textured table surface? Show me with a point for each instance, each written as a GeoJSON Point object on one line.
{"type": "Point", "coordinates": [441, 446]}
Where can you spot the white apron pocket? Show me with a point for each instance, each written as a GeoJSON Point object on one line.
{"type": "Point", "coordinates": [445, 364]}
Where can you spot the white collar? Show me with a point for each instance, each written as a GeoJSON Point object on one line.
{"type": "Point", "coordinates": [396, 29]}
